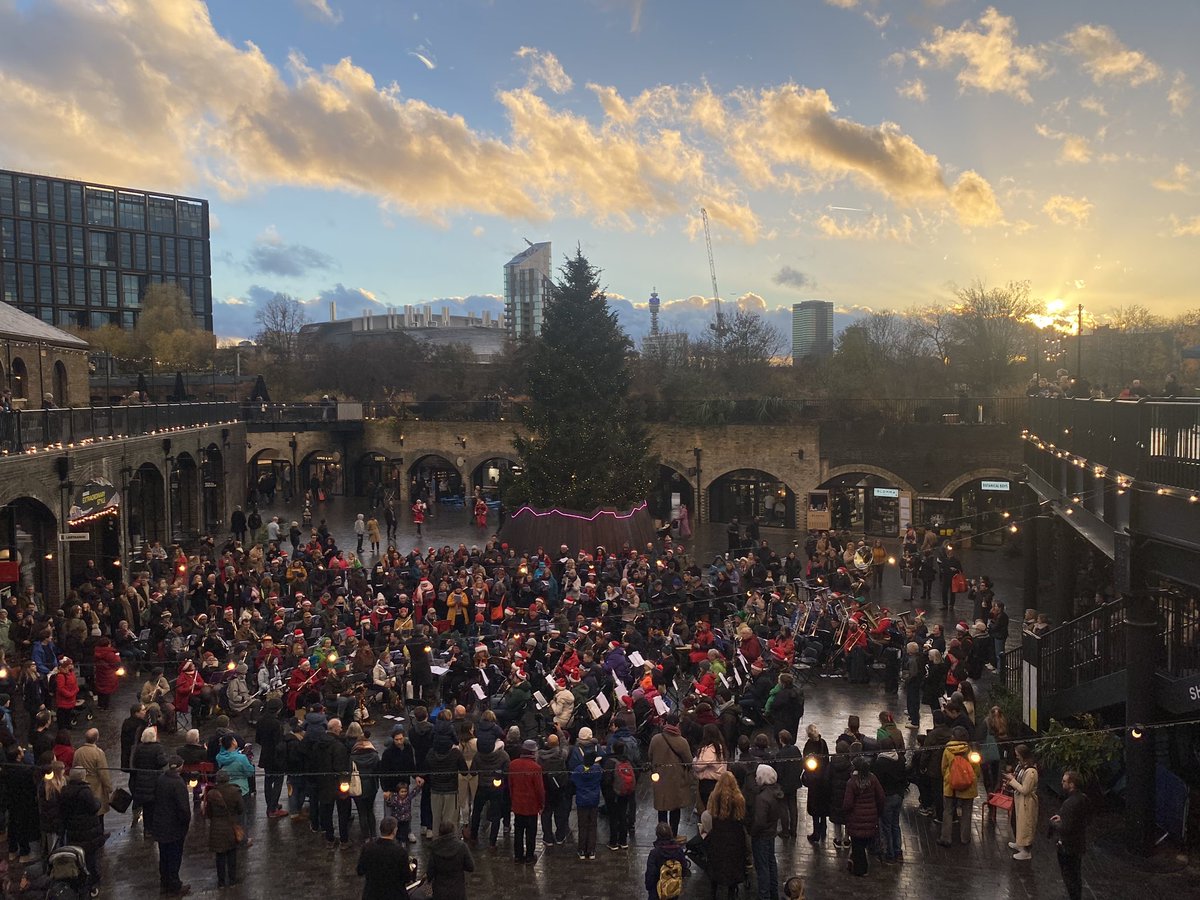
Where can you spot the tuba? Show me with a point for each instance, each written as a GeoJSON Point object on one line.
{"type": "Point", "coordinates": [862, 559]}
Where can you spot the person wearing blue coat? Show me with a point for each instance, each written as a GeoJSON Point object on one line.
{"type": "Point", "coordinates": [587, 778]}
{"type": "Point", "coordinates": [231, 759]}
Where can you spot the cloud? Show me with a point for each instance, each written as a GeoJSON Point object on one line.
{"type": "Point", "coordinates": [992, 60]}
{"type": "Point", "coordinates": [423, 59]}
{"type": "Point", "coordinates": [779, 131]}
{"type": "Point", "coordinates": [1106, 59]}
{"type": "Point", "coordinates": [790, 277]}
{"type": "Point", "coordinates": [270, 255]}
{"type": "Point", "coordinates": [913, 89]}
{"type": "Point", "coordinates": [843, 4]}
{"type": "Point", "coordinates": [1064, 210]}
{"type": "Point", "coordinates": [1185, 227]}
{"type": "Point", "coordinates": [874, 228]}
{"type": "Point", "coordinates": [545, 69]}
{"type": "Point", "coordinates": [1094, 105]}
{"type": "Point", "coordinates": [1075, 148]}
{"type": "Point", "coordinates": [1182, 180]}
{"type": "Point", "coordinates": [320, 9]}
{"type": "Point", "coordinates": [1179, 97]}
{"type": "Point", "coordinates": [141, 91]}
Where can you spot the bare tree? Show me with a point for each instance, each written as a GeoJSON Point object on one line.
{"type": "Point", "coordinates": [991, 332]}
{"type": "Point", "coordinates": [279, 324]}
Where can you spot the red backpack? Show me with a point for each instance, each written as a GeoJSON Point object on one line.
{"type": "Point", "coordinates": [624, 781]}
{"type": "Point", "coordinates": [962, 774]}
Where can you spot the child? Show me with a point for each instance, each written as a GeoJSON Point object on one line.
{"type": "Point", "coordinates": [399, 805]}
{"type": "Point", "coordinates": [587, 778]}
{"type": "Point", "coordinates": [666, 865]}
{"type": "Point", "coordinates": [793, 888]}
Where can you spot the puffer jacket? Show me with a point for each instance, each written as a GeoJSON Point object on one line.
{"type": "Point", "coordinates": [443, 763]}
{"type": "Point", "coordinates": [768, 804]}
{"type": "Point", "coordinates": [148, 762]}
{"type": "Point", "coordinates": [862, 805]}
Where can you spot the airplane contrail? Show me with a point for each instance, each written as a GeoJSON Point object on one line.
{"type": "Point", "coordinates": [846, 208]}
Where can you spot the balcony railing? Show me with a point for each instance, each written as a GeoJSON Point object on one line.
{"type": "Point", "coordinates": [1149, 440]}
{"type": "Point", "coordinates": [23, 430]}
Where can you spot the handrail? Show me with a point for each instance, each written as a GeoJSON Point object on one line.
{"type": "Point", "coordinates": [28, 429]}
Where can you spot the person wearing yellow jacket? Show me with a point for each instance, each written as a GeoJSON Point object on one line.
{"type": "Point", "coordinates": [458, 609]}
{"type": "Point", "coordinates": [959, 797]}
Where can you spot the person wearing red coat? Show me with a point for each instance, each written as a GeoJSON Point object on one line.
{"type": "Point", "coordinates": [702, 642]}
{"type": "Point", "coordinates": [188, 685]}
{"type": "Point", "coordinates": [66, 692]}
{"type": "Point", "coordinates": [106, 661]}
{"type": "Point", "coordinates": [527, 792]}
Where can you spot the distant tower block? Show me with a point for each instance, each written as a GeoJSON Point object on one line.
{"type": "Point", "coordinates": [654, 305]}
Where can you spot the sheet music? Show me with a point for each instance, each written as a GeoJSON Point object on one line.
{"type": "Point", "coordinates": [660, 706]}
{"type": "Point", "coordinates": [636, 659]}
{"type": "Point", "coordinates": [593, 709]}
{"type": "Point", "coordinates": [619, 687]}
{"type": "Point", "coordinates": [439, 670]}
{"type": "Point", "coordinates": [478, 689]}
{"type": "Point", "coordinates": [540, 699]}
{"type": "Point", "coordinates": [602, 701]}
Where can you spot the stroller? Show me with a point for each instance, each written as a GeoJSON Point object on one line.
{"type": "Point", "coordinates": [68, 873]}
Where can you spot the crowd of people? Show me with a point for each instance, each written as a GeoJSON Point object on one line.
{"type": "Point", "coordinates": [514, 689]}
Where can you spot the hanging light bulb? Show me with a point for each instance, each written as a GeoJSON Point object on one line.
{"type": "Point", "coordinates": [654, 776]}
{"type": "Point", "coordinates": [974, 757]}
{"type": "Point", "coordinates": [344, 787]}
{"type": "Point", "coordinates": [811, 763]}
{"type": "Point", "coordinates": [497, 782]}
{"type": "Point", "coordinates": [120, 671]}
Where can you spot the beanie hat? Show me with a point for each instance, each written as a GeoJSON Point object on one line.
{"type": "Point", "coordinates": [585, 733]}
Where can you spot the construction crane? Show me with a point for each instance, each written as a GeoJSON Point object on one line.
{"type": "Point", "coordinates": [718, 325]}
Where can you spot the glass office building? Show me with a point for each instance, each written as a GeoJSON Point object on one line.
{"type": "Point", "coordinates": [80, 254]}
{"type": "Point", "coordinates": [526, 287]}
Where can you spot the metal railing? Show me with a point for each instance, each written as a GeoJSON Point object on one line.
{"type": "Point", "coordinates": [1152, 440]}
{"type": "Point", "coordinates": [22, 430]}
{"type": "Point", "coordinates": [302, 413]}
{"type": "Point", "coordinates": [739, 411]}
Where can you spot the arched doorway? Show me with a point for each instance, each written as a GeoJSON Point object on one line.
{"type": "Point", "coordinates": [61, 396]}
{"type": "Point", "coordinates": [434, 478]}
{"type": "Point", "coordinates": [20, 379]}
{"type": "Point", "coordinates": [978, 506]}
{"type": "Point", "coordinates": [212, 488]}
{"type": "Point", "coordinates": [869, 503]}
{"type": "Point", "coordinates": [147, 512]}
{"type": "Point", "coordinates": [268, 472]}
{"type": "Point", "coordinates": [491, 476]}
{"type": "Point", "coordinates": [322, 471]}
{"type": "Point", "coordinates": [184, 476]}
{"type": "Point", "coordinates": [29, 537]}
{"type": "Point", "coordinates": [672, 489]}
{"type": "Point", "coordinates": [747, 493]}
{"type": "Point", "coordinates": [375, 470]}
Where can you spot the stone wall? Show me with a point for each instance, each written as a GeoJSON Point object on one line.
{"type": "Point", "coordinates": [40, 362]}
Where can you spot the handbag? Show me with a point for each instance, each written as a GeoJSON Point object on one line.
{"type": "Point", "coordinates": [120, 800]}
{"type": "Point", "coordinates": [355, 782]}
{"type": "Point", "coordinates": [239, 833]}
{"type": "Point", "coordinates": [958, 584]}
{"type": "Point", "coordinates": [1000, 800]}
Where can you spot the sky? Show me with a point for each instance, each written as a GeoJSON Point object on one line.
{"type": "Point", "coordinates": [875, 153]}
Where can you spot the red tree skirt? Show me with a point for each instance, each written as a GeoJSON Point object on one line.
{"type": "Point", "coordinates": [529, 528]}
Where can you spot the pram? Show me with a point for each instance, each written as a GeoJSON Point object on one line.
{"type": "Point", "coordinates": [67, 869]}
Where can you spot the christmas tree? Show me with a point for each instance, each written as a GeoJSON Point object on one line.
{"type": "Point", "coordinates": [584, 448]}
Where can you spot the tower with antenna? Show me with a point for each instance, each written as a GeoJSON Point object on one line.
{"type": "Point", "coordinates": [654, 305]}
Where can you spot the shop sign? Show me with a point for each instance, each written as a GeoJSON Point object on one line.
{"type": "Point", "coordinates": [92, 498]}
{"type": "Point", "coordinates": [886, 492]}
{"type": "Point", "coordinates": [995, 485]}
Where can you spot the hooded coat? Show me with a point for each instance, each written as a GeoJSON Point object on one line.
{"type": "Point", "coordinates": [953, 749]}
{"type": "Point", "coordinates": [449, 862]}
{"type": "Point", "coordinates": [670, 756]}
{"type": "Point", "coordinates": [862, 805]}
{"type": "Point", "coordinates": [768, 804]}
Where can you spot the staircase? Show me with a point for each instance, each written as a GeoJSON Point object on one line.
{"type": "Point", "coordinates": [1079, 666]}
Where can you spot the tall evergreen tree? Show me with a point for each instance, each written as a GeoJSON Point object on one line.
{"type": "Point", "coordinates": [584, 448]}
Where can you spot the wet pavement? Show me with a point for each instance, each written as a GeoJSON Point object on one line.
{"type": "Point", "coordinates": [287, 860]}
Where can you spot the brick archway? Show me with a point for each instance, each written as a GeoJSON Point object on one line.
{"type": "Point", "coordinates": [859, 469]}
{"type": "Point", "coordinates": [974, 475]}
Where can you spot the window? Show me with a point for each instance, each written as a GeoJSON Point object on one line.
{"type": "Point", "coordinates": [101, 248]}
{"type": "Point", "coordinates": [185, 285]}
{"type": "Point", "coordinates": [201, 297]}
{"type": "Point", "coordinates": [79, 287]}
{"type": "Point", "coordinates": [25, 240]}
{"type": "Point", "coordinates": [111, 298]}
{"type": "Point", "coordinates": [162, 215]}
{"type": "Point", "coordinates": [128, 319]}
{"type": "Point", "coordinates": [41, 199]}
{"type": "Point", "coordinates": [20, 377]}
{"type": "Point", "coordinates": [133, 211]}
{"type": "Point", "coordinates": [8, 239]}
{"type": "Point", "coordinates": [169, 254]}
{"type": "Point", "coordinates": [125, 250]}
{"type": "Point", "coordinates": [131, 291]}
{"type": "Point", "coordinates": [7, 202]}
{"type": "Point", "coordinates": [100, 205]}
{"type": "Point", "coordinates": [41, 234]}
{"type": "Point", "coordinates": [198, 258]}
{"type": "Point", "coordinates": [69, 318]}
{"type": "Point", "coordinates": [62, 285]}
{"type": "Point", "coordinates": [95, 289]}
{"type": "Point", "coordinates": [185, 256]}
{"type": "Point", "coordinates": [100, 319]}
{"type": "Point", "coordinates": [191, 218]}
{"type": "Point", "coordinates": [28, 293]}
{"type": "Point", "coordinates": [62, 246]}
{"type": "Point", "coordinates": [46, 314]}
{"type": "Point", "coordinates": [155, 253]}
{"type": "Point", "coordinates": [77, 255]}
{"type": "Point", "coordinates": [75, 194]}
{"type": "Point", "coordinates": [24, 196]}
{"type": "Point", "coordinates": [9, 292]}
{"type": "Point", "coordinates": [58, 201]}
{"type": "Point", "coordinates": [45, 285]}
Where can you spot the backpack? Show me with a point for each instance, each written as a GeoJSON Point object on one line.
{"type": "Point", "coordinates": [624, 781]}
{"type": "Point", "coordinates": [633, 750]}
{"type": "Point", "coordinates": [670, 879]}
{"type": "Point", "coordinates": [962, 774]}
